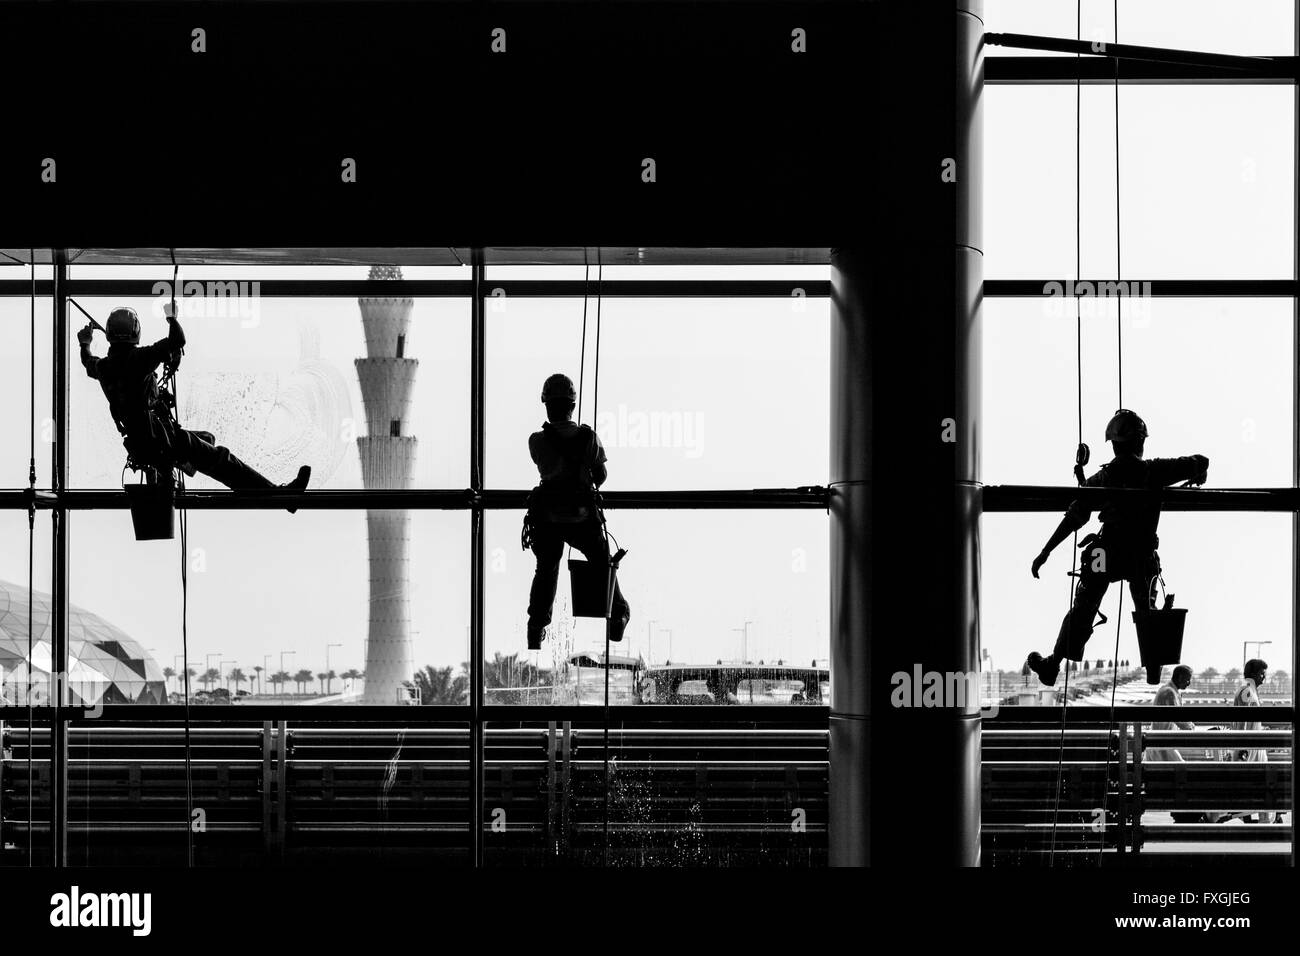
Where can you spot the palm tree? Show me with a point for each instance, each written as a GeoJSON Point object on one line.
{"type": "Point", "coordinates": [168, 674]}
{"type": "Point", "coordinates": [236, 677]}
{"type": "Point", "coordinates": [350, 675]}
{"type": "Point", "coordinates": [507, 670]}
{"type": "Point", "coordinates": [437, 686]}
{"type": "Point", "coordinates": [1234, 674]}
{"type": "Point", "coordinates": [257, 676]}
{"type": "Point", "coordinates": [302, 678]}
{"type": "Point", "coordinates": [210, 676]}
{"type": "Point", "coordinates": [1209, 673]}
{"type": "Point", "coordinates": [281, 678]}
{"type": "Point", "coordinates": [321, 677]}
{"type": "Point", "coordinates": [329, 680]}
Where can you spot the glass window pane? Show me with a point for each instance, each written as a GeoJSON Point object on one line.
{"type": "Point", "coordinates": [1209, 376]}
{"type": "Point", "coordinates": [1233, 572]}
{"type": "Point", "coordinates": [1207, 182]}
{"type": "Point", "coordinates": [1252, 28]}
{"type": "Point", "coordinates": [694, 393]}
{"type": "Point", "coordinates": [14, 608]}
{"type": "Point", "coordinates": [263, 583]}
{"type": "Point", "coordinates": [679, 794]}
{"type": "Point", "coordinates": [277, 381]}
{"type": "Point", "coordinates": [16, 427]}
{"type": "Point", "coordinates": [725, 595]}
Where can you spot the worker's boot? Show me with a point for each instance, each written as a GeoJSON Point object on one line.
{"type": "Point", "coordinates": [1047, 668]}
{"type": "Point", "coordinates": [299, 483]}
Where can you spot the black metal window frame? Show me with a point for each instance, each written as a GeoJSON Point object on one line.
{"type": "Point", "coordinates": [55, 497]}
{"type": "Point", "coordinates": [1135, 66]}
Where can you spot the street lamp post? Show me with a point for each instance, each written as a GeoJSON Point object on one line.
{"type": "Point", "coordinates": [744, 653]}
{"type": "Point", "coordinates": [669, 632]}
{"type": "Point", "coordinates": [266, 669]}
{"type": "Point", "coordinates": [207, 661]}
{"type": "Point", "coordinates": [1259, 649]}
{"type": "Point", "coordinates": [327, 659]}
{"type": "Point", "coordinates": [183, 674]}
{"type": "Point", "coordinates": [744, 646]}
{"type": "Point", "coordinates": [650, 639]}
{"type": "Point", "coordinates": [282, 653]}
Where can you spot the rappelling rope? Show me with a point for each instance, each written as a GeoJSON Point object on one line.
{"type": "Point", "coordinates": [1119, 386]}
{"type": "Point", "coordinates": [185, 600]}
{"type": "Point", "coordinates": [31, 561]}
{"type": "Point", "coordinates": [1078, 360]}
{"type": "Point", "coordinates": [609, 579]}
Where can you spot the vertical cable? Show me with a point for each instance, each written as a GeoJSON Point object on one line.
{"type": "Point", "coordinates": [59, 611]}
{"type": "Point", "coordinates": [582, 355]}
{"type": "Point", "coordinates": [1119, 271]}
{"type": "Point", "coordinates": [609, 576]}
{"type": "Point", "coordinates": [31, 561]}
{"type": "Point", "coordinates": [185, 604]}
{"type": "Point", "coordinates": [1078, 378]}
{"type": "Point", "coordinates": [478, 380]}
{"type": "Point", "coordinates": [1119, 383]}
{"type": "Point", "coordinates": [1110, 729]}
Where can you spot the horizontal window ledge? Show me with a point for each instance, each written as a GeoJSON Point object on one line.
{"type": "Point", "coordinates": [1139, 713]}
{"type": "Point", "coordinates": [1100, 69]}
{"type": "Point", "coordinates": [1140, 288]}
{"type": "Point", "coordinates": [418, 288]}
{"type": "Point", "coordinates": [811, 715]}
{"type": "Point", "coordinates": [1004, 498]}
{"type": "Point", "coordinates": [433, 499]}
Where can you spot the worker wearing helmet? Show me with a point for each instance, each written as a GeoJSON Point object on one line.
{"type": "Point", "coordinates": [562, 508]}
{"type": "Point", "coordinates": [142, 413]}
{"type": "Point", "coordinates": [1125, 549]}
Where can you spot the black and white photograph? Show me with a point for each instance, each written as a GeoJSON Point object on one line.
{"type": "Point", "coordinates": [680, 443]}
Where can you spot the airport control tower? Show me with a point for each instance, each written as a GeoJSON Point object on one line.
{"type": "Point", "coordinates": [387, 461]}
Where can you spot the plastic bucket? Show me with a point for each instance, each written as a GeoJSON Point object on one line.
{"type": "Point", "coordinates": [1160, 638]}
{"type": "Point", "coordinates": [152, 513]}
{"type": "Point", "coordinates": [593, 588]}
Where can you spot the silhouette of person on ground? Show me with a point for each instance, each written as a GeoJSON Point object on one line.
{"type": "Point", "coordinates": [1125, 549]}
{"type": "Point", "coordinates": [1171, 695]}
{"type": "Point", "coordinates": [142, 411]}
{"type": "Point", "coordinates": [562, 509]}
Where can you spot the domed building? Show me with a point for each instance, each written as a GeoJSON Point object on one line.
{"type": "Point", "coordinates": [105, 665]}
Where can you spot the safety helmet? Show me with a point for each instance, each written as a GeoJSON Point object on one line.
{"type": "Point", "coordinates": [559, 388]}
{"type": "Point", "coordinates": [123, 327]}
{"type": "Point", "coordinates": [1125, 426]}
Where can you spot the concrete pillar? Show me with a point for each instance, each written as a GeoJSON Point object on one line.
{"type": "Point", "coordinates": [905, 505]}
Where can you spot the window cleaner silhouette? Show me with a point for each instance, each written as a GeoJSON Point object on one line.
{"type": "Point", "coordinates": [563, 508]}
{"type": "Point", "coordinates": [143, 411]}
{"type": "Point", "coordinates": [1125, 549]}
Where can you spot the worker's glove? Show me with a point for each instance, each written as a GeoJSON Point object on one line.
{"type": "Point", "coordinates": [86, 334]}
{"type": "Point", "coordinates": [1200, 477]}
{"type": "Point", "coordinates": [169, 310]}
{"type": "Point", "coordinates": [1038, 563]}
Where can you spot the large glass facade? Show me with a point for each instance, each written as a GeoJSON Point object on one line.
{"type": "Point", "coordinates": [1184, 188]}
{"type": "Point", "coordinates": [313, 684]}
